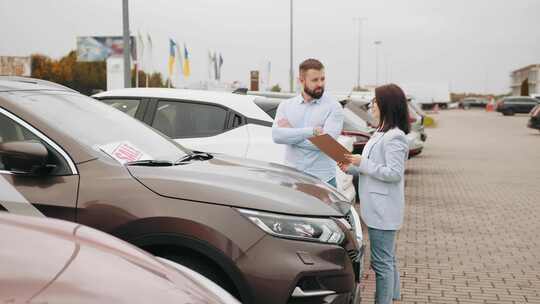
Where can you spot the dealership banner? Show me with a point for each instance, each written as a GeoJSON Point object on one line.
{"type": "Point", "coordinates": [99, 48]}
{"type": "Point", "coordinates": [15, 66]}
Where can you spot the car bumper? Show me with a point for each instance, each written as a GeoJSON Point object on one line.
{"type": "Point", "coordinates": [415, 152]}
{"type": "Point", "coordinates": [414, 141]}
{"type": "Point", "coordinates": [345, 185]}
{"type": "Point", "coordinates": [288, 271]}
{"type": "Point", "coordinates": [534, 123]}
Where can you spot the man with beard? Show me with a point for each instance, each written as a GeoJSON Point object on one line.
{"type": "Point", "coordinates": [309, 114]}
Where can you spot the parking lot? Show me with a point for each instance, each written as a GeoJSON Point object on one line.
{"type": "Point", "coordinates": [472, 222]}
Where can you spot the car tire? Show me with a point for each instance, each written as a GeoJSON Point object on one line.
{"type": "Point", "coordinates": [508, 113]}
{"type": "Point", "coordinates": [205, 268]}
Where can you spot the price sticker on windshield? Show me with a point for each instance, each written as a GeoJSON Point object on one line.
{"type": "Point", "coordinates": [124, 152]}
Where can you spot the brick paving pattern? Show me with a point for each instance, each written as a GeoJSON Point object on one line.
{"type": "Point", "coordinates": [472, 224]}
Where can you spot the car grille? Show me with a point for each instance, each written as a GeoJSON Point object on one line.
{"type": "Point", "coordinates": [353, 254]}
{"type": "Point", "coordinates": [348, 217]}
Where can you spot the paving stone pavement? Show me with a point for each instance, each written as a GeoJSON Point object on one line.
{"type": "Point", "coordinates": [472, 225]}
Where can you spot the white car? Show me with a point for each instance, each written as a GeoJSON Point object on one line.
{"type": "Point", "coordinates": [213, 122]}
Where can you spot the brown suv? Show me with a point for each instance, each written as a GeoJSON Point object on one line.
{"type": "Point", "coordinates": [265, 232]}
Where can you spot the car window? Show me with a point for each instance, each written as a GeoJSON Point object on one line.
{"type": "Point", "coordinates": [272, 112]}
{"type": "Point", "coordinates": [412, 113]}
{"type": "Point", "coordinates": [352, 122]}
{"type": "Point", "coordinates": [270, 107]}
{"type": "Point", "coordinates": [524, 100]}
{"type": "Point", "coordinates": [95, 125]}
{"type": "Point", "coordinates": [186, 119]}
{"type": "Point", "coordinates": [128, 106]}
{"type": "Point", "coordinates": [10, 130]}
{"type": "Point", "coordinates": [237, 121]}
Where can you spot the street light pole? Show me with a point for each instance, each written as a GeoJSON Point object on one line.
{"type": "Point", "coordinates": [377, 44]}
{"type": "Point", "coordinates": [359, 50]}
{"type": "Point", "coordinates": [127, 45]}
{"type": "Point", "coordinates": [291, 72]}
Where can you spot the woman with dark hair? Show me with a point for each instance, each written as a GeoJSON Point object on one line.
{"type": "Point", "coordinates": [381, 189]}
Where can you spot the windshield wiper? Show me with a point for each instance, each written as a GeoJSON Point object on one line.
{"type": "Point", "coordinates": [150, 163]}
{"type": "Point", "coordinates": [195, 155]}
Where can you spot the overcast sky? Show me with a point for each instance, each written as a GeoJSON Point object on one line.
{"type": "Point", "coordinates": [464, 45]}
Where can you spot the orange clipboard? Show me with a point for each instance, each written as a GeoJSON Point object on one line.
{"type": "Point", "coordinates": [330, 147]}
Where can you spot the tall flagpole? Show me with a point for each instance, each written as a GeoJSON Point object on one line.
{"type": "Point", "coordinates": [127, 46]}
{"type": "Point", "coordinates": [291, 72]}
{"type": "Point", "coordinates": [359, 50]}
{"type": "Point", "coordinates": [151, 67]}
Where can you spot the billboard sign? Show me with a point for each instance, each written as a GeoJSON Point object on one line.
{"type": "Point", "coordinates": [15, 66]}
{"type": "Point", "coordinates": [115, 73]}
{"type": "Point", "coordinates": [99, 48]}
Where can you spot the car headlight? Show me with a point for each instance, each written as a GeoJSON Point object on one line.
{"type": "Point", "coordinates": [323, 230]}
{"type": "Point", "coordinates": [354, 220]}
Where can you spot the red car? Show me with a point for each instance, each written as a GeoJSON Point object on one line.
{"type": "Point", "coordinates": [53, 261]}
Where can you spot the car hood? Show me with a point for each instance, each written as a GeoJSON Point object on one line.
{"type": "Point", "coordinates": [239, 182]}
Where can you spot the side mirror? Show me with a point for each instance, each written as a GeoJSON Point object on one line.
{"type": "Point", "coordinates": [24, 157]}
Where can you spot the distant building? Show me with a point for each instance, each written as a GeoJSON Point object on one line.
{"type": "Point", "coordinates": [531, 73]}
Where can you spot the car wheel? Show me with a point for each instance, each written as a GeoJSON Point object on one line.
{"type": "Point", "coordinates": [357, 296]}
{"type": "Point", "coordinates": [508, 113]}
{"type": "Point", "coordinates": [206, 268]}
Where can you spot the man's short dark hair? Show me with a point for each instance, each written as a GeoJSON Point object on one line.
{"type": "Point", "coordinates": [310, 64]}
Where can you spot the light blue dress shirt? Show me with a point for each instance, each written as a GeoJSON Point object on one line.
{"type": "Point", "coordinates": [304, 116]}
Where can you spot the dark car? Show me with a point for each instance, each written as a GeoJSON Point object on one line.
{"type": "Point", "coordinates": [534, 121]}
{"type": "Point", "coordinates": [469, 102]}
{"type": "Point", "coordinates": [265, 232]}
{"type": "Point", "coordinates": [512, 105]}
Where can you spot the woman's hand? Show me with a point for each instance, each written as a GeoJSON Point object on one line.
{"type": "Point", "coordinates": [344, 166]}
{"type": "Point", "coordinates": [354, 159]}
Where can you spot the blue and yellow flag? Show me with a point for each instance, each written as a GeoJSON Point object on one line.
{"type": "Point", "coordinates": [187, 70]}
{"type": "Point", "coordinates": [172, 56]}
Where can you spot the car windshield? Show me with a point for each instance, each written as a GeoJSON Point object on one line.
{"type": "Point", "coordinates": [270, 107]}
{"type": "Point", "coordinates": [352, 122]}
{"type": "Point", "coordinates": [413, 113]}
{"type": "Point", "coordinates": [417, 108]}
{"type": "Point", "coordinates": [100, 126]}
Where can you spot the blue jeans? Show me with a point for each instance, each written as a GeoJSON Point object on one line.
{"type": "Point", "coordinates": [383, 262]}
{"type": "Point", "coordinates": [332, 182]}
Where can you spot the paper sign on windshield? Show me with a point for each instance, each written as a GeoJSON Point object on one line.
{"type": "Point", "coordinates": [124, 152]}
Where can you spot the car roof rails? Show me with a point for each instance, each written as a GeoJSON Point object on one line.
{"type": "Point", "coordinates": [42, 84]}
{"type": "Point", "coordinates": [241, 91]}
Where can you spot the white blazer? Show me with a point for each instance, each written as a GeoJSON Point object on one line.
{"type": "Point", "coordinates": [381, 186]}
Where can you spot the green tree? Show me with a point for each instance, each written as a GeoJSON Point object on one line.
{"type": "Point", "coordinates": [359, 89]}
{"type": "Point", "coordinates": [155, 80]}
{"type": "Point", "coordinates": [85, 77]}
{"type": "Point", "coordinates": [275, 88]}
{"type": "Point", "coordinates": [42, 67]}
